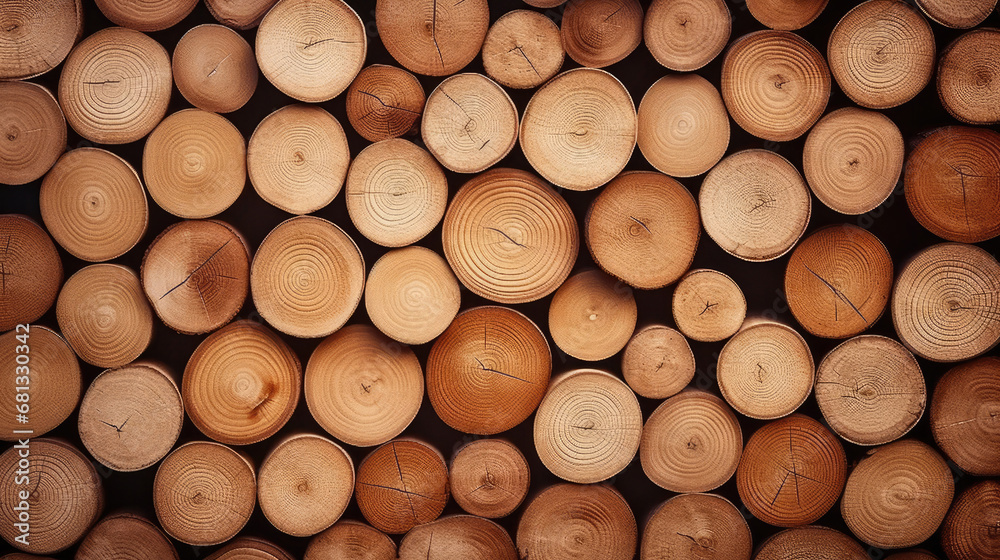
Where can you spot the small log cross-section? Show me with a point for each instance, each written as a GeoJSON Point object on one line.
{"type": "Point", "coordinates": [131, 416]}
{"type": "Point", "coordinates": [126, 536]}
{"type": "Point", "coordinates": [784, 14]}
{"type": "Point", "coordinates": [813, 542]}
{"type": "Point", "coordinates": [577, 522]}
{"type": "Point", "coordinates": [363, 388]}
{"type": "Point", "coordinates": [298, 158]}
{"type": "Point", "coordinates": [696, 527]}
{"type": "Point", "coordinates": [599, 33]}
{"type": "Point", "coordinates": [592, 316]}
{"type": "Point", "coordinates": [469, 123]}
{"type": "Point", "coordinates": [402, 484]}
{"type": "Point", "coordinates": [241, 384]}
{"type": "Point", "coordinates": [775, 84]}
{"type": "Point", "coordinates": [882, 53]}
{"type": "Point", "coordinates": [686, 35]}
{"type": "Point", "coordinates": [644, 229]}
{"type": "Point", "coordinates": [523, 49]}
{"type": "Point", "coordinates": [148, 15]}
{"type": "Point", "coordinates": [898, 495]}
{"type": "Point", "coordinates": [960, 14]}
{"type": "Point", "coordinates": [195, 164]}
{"type": "Point", "coordinates": [242, 548]}
{"type": "Point", "coordinates": [792, 471]}
{"type": "Point", "coordinates": [458, 536]}
{"type": "Point", "coordinates": [969, 532]}
{"type": "Point", "coordinates": [351, 540]}
{"type": "Point", "coordinates": [214, 68]}
{"type": "Point", "coordinates": [691, 443]}
{"type": "Point", "coordinates": [239, 14]}
{"type": "Point", "coordinates": [965, 416]}
{"type": "Point", "coordinates": [657, 362]}
{"type": "Point", "coordinates": [115, 86]}
{"type": "Point", "coordinates": [204, 493]}
{"type": "Point", "coordinates": [488, 371]}
{"type": "Point", "coordinates": [870, 390]}
{"type": "Point", "coordinates": [489, 477]}
{"type": "Point", "coordinates": [196, 275]}
{"type": "Point", "coordinates": [31, 272]}
{"type": "Point", "coordinates": [588, 426]}
{"type": "Point", "coordinates": [311, 50]}
{"type": "Point", "coordinates": [708, 306]}
{"type": "Point", "coordinates": [36, 35]}
{"type": "Point", "coordinates": [384, 102]}
{"type": "Point", "coordinates": [852, 159]}
{"type": "Point", "coordinates": [967, 71]}
{"type": "Point", "coordinates": [430, 37]}
{"type": "Point", "coordinates": [32, 132]}
{"type": "Point", "coordinates": [55, 381]}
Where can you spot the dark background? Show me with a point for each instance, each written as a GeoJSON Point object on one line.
{"type": "Point", "coordinates": [761, 282]}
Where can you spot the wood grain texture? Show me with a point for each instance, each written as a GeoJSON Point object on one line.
{"type": "Point", "coordinates": [432, 38]}
{"type": "Point", "coordinates": [688, 34]}
{"type": "Point", "coordinates": [657, 362]}
{"type": "Point", "coordinates": [708, 306]}
{"type": "Point", "coordinates": [489, 477]}
{"type": "Point", "coordinates": [126, 536]}
{"type": "Point", "coordinates": [523, 49]}
{"type": "Point", "coordinates": [54, 376]}
{"type": "Point", "coordinates": [786, 15]}
{"type": "Point", "coordinates": [969, 531]}
{"type": "Point", "coordinates": [148, 15]}
{"type": "Point", "coordinates": [696, 527]}
{"type": "Point", "coordinates": [577, 522]}
{"type": "Point", "coordinates": [402, 484]}
{"type": "Point", "coordinates": [599, 33]}
{"type": "Point", "coordinates": [592, 316]}
{"type": "Point", "coordinates": [214, 68]}
{"type": "Point", "coordinates": [458, 536]}
{"type": "Point", "coordinates": [30, 269]}
{"type": "Point", "coordinates": [960, 14]}
{"type": "Point", "coordinates": [966, 70]}
{"type": "Point", "coordinates": [37, 35]}
{"type": "Point", "coordinates": [239, 14]}
{"type": "Point", "coordinates": [812, 542]}
{"type": "Point", "coordinates": [384, 102]}
{"type": "Point", "coordinates": [965, 415]}
{"type": "Point", "coordinates": [32, 132]}
{"type": "Point", "coordinates": [351, 540]}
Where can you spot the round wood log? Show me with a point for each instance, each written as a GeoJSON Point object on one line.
{"type": "Point", "coordinates": [36, 36]}
{"type": "Point", "coordinates": [797, 448]}
{"type": "Point", "coordinates": [196, 275]}
{"type": "Point", "coordinates": [683, 125]}
{"type": "Point", "coordinates": [148, 15]}
{"type": "Point", "coordinates": [115, 86]}
{"type": "Point", "coordinates": [898, 495]}
{"type": "Point", "coordinates": [402, 484]}
{"type": "Point", "coordinates": [870, 390]}
{"type": "Point", "coordinates": [458, 536]}
{"type": "Point", "coordinates": [944, 304]}
{"type": "Point", "coordinates": [126, 536]}
{"type": "Point", "coordinates": [104, 315]}
{"type": "Point", "coordinates": [239, 14]}
{"type": "Point", "coordinates": [523, 49]}
{"type": "Point", "coordinates": [708, 306]}
{"type": "Point", "coordinates": [657, 362]}
{"type": "Point", "coordinates": [951, 179]}
{"type": "Point", "coordinates": [396, 192]}
{"type": "Point", "coordinates": [204, 493]}
{"type": "Point", "coordinates": [766, 371]}
{"type": "Point", "coordinates": [812, 542]}
{"type": "Point", "coordinates": [305, 484]}
{"type": "Point", "coordinates": [351, 540]}
{"type": "Point", "coordinates": [853, 159]}
{"type": "Point", "coordinates": [685, 36]}
{"type": "Point", "coordinates": [775, 84]}
{"type": "Point", "coordinates": [432, 38]}
{"type": "Point", "coordinates": [363, 388]}
{"type": "Point", "coordinates": [384, 102]}
{"type": "Point", "coordinates": [411, 295]}
{"type": "Point", "coordinates": [54, 381]}
{"type": "Point", "coordinates": [838, 281]}
{"type": "Point", "coordinates": [307, 277]}
{"type": "Point", "coordinates": [250, 548]}
{"type": "Point", "coordinates": [755, 205]}
{"type": "Point", "coordinates": [592, 316]}
{"type": "Point", "coordinates": [577, 522]}
{"type": "Point", "coordinates": [311, 50]}
{"type": "Point", "coordinates": [195, 164]}
{"type": "Point", "coordinates": [297, 158]}
{"type": "Point", "coordinates": [489, 477]}
{"type": "Point", "coordinates": [131, 416]}
{"type": "Point", "coordinates": [488, 371]}
{"type": "Point", "coordinates": [214, 68]}
{"type": "Point", "coordinates": [579, 129]}
{"type": "Point", "coordinates": [643, 228]}
{"type": "Point", "coordinates": [882, 53]}
{"type": "Point", "coordinates": [696, 527]}
{"type": "Point", "coordinates": [970, 531]}
{"type": "Point", "coordinates": [32, 132]}
{"type": "Point", "coordinates": [965, 416]}
{"type": "Point", "coordinates": [588, 426]}
{"type": "Point", "coordinates": [785, 15]}
{"type": "Point", "coordinates": [509, 236]}
{"type": "Point", "coordinates": [93, 204]}
{"type": "Point", "coordinates": [691, 443]}
{"type": "Point", "coordinates": [30, 269]}
{"type": "Point", "coordinates": [599, 33]}
{"type": "Point", "coordinates": [469, 123]}
{"type": "Point", "coordinates": [967, 68]}
{"type": "Point", "coordinates": [65, 500]}
{"type": "Point", "coordinates": [962, 14]}
{"type": "Point", "coordinates": [241, 384]}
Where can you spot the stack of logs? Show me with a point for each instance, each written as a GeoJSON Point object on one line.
{"type": "Point", "coordinates": [429, 221]}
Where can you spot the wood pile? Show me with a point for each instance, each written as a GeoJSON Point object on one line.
{"type": "Point", "coordinates": [499, 280]}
